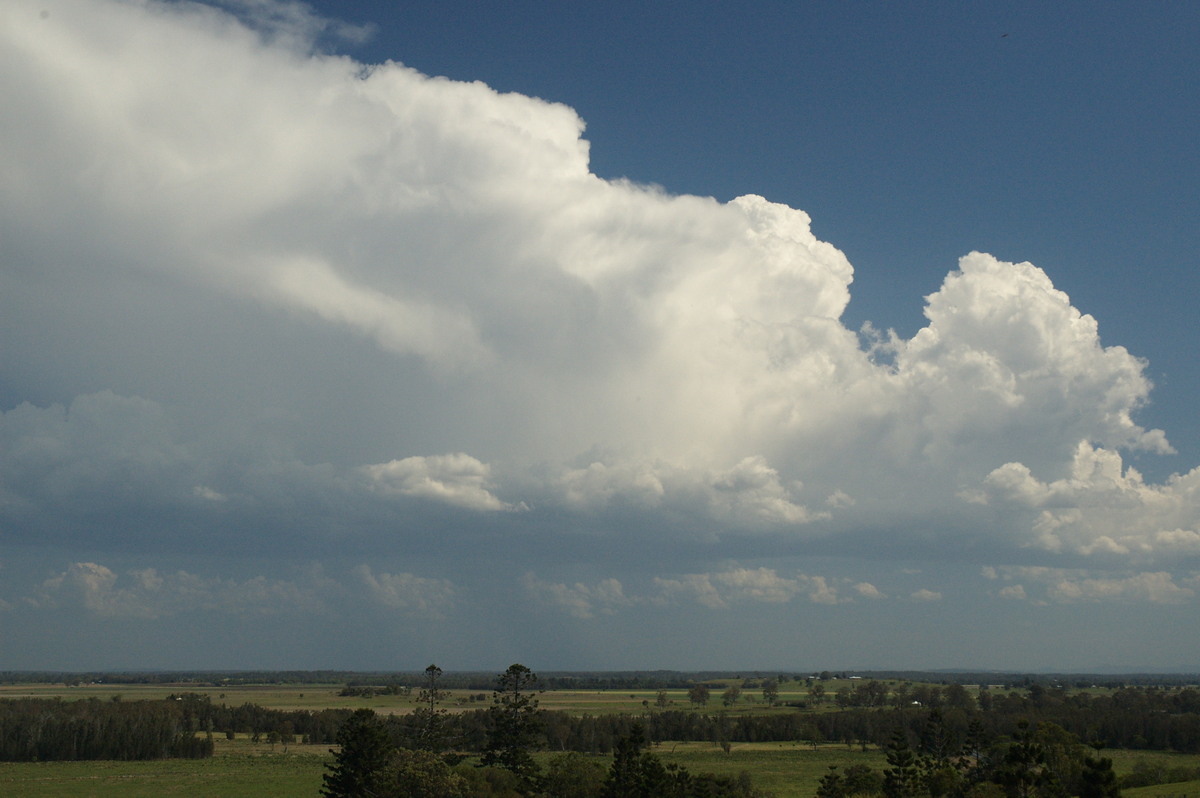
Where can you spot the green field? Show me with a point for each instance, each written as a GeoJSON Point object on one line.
{"type": "Point", "coordinates": [228, 775]}
{"type": "Point", "coordinates": [788, 770]}
{"type": "Point", "coordinates": [241, 770]}
{"type": "Point", "coordinates": [1183, 789]}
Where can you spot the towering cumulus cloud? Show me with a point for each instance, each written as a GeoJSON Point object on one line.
{"type": "Point", "coordinates": [249, 288]}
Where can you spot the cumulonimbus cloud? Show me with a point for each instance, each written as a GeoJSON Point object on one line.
{"type": "Point", "coordinates": [406, 266]}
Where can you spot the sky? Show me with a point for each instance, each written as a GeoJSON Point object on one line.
{"type": "Point", "coordinates": [364, 335]}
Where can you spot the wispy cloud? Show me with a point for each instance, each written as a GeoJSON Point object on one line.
{"type": "Point", "coordinates": [578, 599]}
{"type": "Point", "coordinates": [408, 593]}
{"type": "Point", "coordinates": [148, 594]}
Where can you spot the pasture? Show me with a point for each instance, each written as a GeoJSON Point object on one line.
{"type": "Point", "coordinates": [241, 769]}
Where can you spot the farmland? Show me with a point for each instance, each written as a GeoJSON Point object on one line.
{"type": "Point", "coordinates": [253, 765]}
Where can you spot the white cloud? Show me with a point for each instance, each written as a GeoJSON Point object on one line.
{"type": "Point", "coordinates": [1103, 507]}
{"type": "Point", "coordinates": [925, 594]}
{"type": "Point", "coordinates": [752, 489]}
{"type": "Point", "coordinates": [1004, 329]}
{"type": "Point", "coordinates": [457, 479]}
{"type": "Point", "coordinates": [839, 499]}
{"type": "Point", "coordinates": [599, 484]}
{"type": "Point", "coordinates": [749, 494]}
{"type": "Point", "coordinates": [1013, 592]}
{"type": "Point", "coordinates": [207, 493]}
{"type": "Point", "coordinates": [697, 587]}
{"type": "Point", "coordinates": [868, 590]}
{"type": "Point", "coordinates": [759, 584]}
{"type": "Point", "coordinates": [1063, 585]}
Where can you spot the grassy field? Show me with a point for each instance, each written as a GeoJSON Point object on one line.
{"type": "Point", "coordinates": [1183, 789]}
{"type": "Point", "coordinates": [788, 770]}
{"type": "Point", "coordinates": [228, 775]}
{"type": "Point", "coordinates": [242, 770]}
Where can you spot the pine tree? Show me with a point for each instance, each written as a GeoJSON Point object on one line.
{"type": "Point", "coordinates": [364, 752]}
{"type": "Point", "coordinates": [902, 779]}
{"type": "Point", "coordinates": [429, 718]}
{"type": "Point", "coordinates": [830, 785]}
{"type": "Point", "coordinates": [1024, 770]}
{"type": "Point", "coordinates": [1097, 779]}
{"type": "Point", "coordinates": [514, 724]}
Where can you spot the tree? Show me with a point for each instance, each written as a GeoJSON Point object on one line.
{"type": "Point", "coordinates": [957, 696]}
{"type": "Point", "coordinates": [1024, 771]}
{"type": "Point", "coordinates": [417, 774]}
{"type": "Point", "coordinates": [429, 718]}
{"type": "Point", "coordinates": [901, 779]}
{"type": "Point", "coordinates": [1097, 779]}
{"type": "Point", "coordinates": [635, 773]}
{"type": "Point", "coordinates": [817, 693]}
{"type": "Point", "coordinates": [514, 724]}
{"type": "Point", "coordinates": [731, 695]}
{"type": "Point", "coordinates": [770, 691]}
{"type": "Point", "coordinates": [661, 700]}
{"type": "Point", "coordinates": [830, 785]}
{"type": "Point", "coordinates": [938, 743]}
{"type": "Point", "coordinates": [861, 780]}
{"type": "Point", "coordinates": [573, 775]}
{"type": "Point", "coordinates": [698, 694]}
{"type": "Point", "coordinates": [974, 761]}
{"type": "Point", "coordinates": [364, 751]}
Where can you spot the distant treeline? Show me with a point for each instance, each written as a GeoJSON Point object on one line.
{"type": "Point", "coordinates": [1150, 718]}
{"type": "Point", "coordinates": [461, 680]}
{"type": "Point", "coordinates": [591, 680]}
{"type": "Point", "coordinates": [1132, 718]}
{"type": "Point", "coordinates": [43, 729]}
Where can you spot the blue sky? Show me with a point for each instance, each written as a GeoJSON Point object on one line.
{"type": "Point", "coordinates": [364, 335]}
